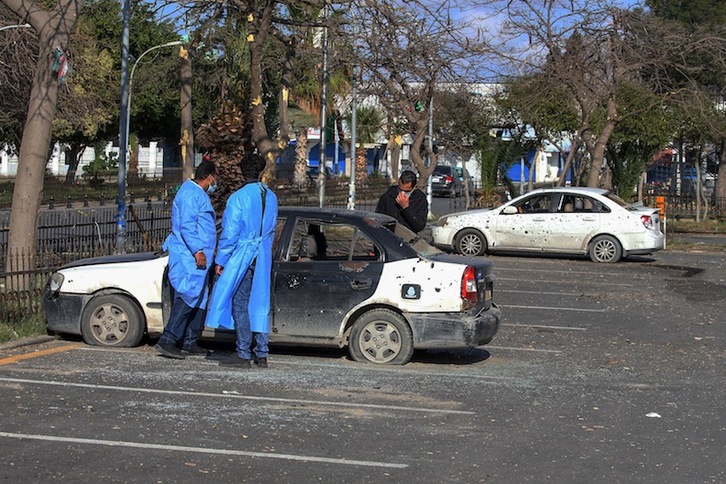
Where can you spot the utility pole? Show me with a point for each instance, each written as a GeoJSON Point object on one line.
{"type": "Point", "coordinates": [353, 151]}
{"type": "Point", "coordinates": [323, 113]}
{"type": "Point", "coordinates": [123, 131]}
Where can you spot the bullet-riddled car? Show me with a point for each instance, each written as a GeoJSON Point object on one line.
{"type": "Point", "coordinates": [575, 220]}
{"type": "Point", "coordinates": [339, 278]}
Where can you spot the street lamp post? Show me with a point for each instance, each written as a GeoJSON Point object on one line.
{"type": "Point", "coordinates": [124, 136]}
{"type": "Point", "coordinates": [131, 83]}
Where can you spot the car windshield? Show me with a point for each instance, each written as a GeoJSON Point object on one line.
{"type": "Point", "coordinates": [442, 170]}
{"type": "Point", "coordinates": [419, 245]}
{"type": "Point", "coordinates": [619, 201]}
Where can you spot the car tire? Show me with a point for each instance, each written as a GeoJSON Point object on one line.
{"type": "Point", "coordinates": [605, 248]}
{"type": "Point", "coordinates": [112, 320]}
{"type": "Point", "coordinates": [471, 242]}
{"type": "Point", "coordinates": [381, 336]}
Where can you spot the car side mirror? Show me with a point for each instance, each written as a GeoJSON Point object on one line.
{"type": "Point", "coordinates": [510, 210]}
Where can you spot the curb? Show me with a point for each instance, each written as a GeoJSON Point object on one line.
{"type": "Point", "coordinates": [36, 340]}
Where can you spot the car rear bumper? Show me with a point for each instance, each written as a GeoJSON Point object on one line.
{"type": "Point", "coordinates": [651, 242]}
{"type": "Point", "coordinates": [63, 312]}
{"type": "Point", "coordinates": [454, 330]}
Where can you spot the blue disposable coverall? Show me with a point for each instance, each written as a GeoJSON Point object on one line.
{"type": "Point", "coordinates": [245, 238]}
{"type": "Point", "coordinates": [192, 229]}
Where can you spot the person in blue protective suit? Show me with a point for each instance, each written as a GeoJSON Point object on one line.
{"type": "Point", "coordinates": [241, 295]}
{"type": "Point", "coordinates": [191, 249]}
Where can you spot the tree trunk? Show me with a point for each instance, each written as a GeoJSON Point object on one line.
{"type": "Point", "coordinates": [257, 29]}
{"type": "Point", "coordinates": [187, 130]}
{"type": "Point", "coordinates": [720, 188]}
{"type": "Point", "coordinates": [394, 147]}
{"type": "Point", "coordinates": [53, 30]}
{"type": "Point", "coordinates": [361, 166]}
{"type": "Point", "coordinates": [73, 159]}
{"type": "Point", "coordinates": [597, 154]}
{"type": "Point", "coordinates": [300, 177]}
{"type": "Point", "coordinates": [568, 163]}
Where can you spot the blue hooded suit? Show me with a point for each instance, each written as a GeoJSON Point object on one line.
{"type": "Point", "coordinates": [245, 237]}
{"type": "Point", "coordinates": [192, 229]}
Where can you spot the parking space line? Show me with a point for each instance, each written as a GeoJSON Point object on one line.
{"type": "Point", "coordinates": [549, 271]}
{"type": "Point", "coordinates": [546, 326]}
{"type": "Point", "coordinates": [238, 396]}
{"type": "Point", "coordinates": [589, 282]}
{"type": "Point", "coordinates": [522, 349]}
{"type": "Point", "coordinates": [514, 306]}
{"type": "Point", "coordinates": [199, 450]}
{"type": "Point", "coordinates": [36, 354]}
{"type": "Point", "coordinates": [543, 293]}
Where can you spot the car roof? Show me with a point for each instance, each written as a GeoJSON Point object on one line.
{"type": "Point", "coordinates": [580, 190]}
{"type": "Point", "coordinates": [338, 213]}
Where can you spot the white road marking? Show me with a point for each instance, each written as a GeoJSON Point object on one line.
{"type": "Point", "coordinates": [522, 349]}
{"type": "Point", "coordinates": [545, 326]}
{"type": "Point", "coordinates": [589, 282]}
{"type": "Point", "coordinates": [237, 396]}
{"type": "Point", "coordinates": [544, 293]}
{"type": "Point", "coordinates": [514, 306]}
{"type": "Point", "coordinates": [198, 450]}
{"type": "Point", "coordinates": [549, 271]}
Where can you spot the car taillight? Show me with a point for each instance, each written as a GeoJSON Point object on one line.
{"type": "Point", "coordinates": [468, 285]}
{"type": "Point", "coordinates": [449, 179]}
{"type": "Point", "coordinates": [647, 221]}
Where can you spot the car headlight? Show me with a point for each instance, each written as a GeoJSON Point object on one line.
{"type": "Point", "coordinates": [442, 221]}
{"type": "Point", "coordinates": [56, 281]}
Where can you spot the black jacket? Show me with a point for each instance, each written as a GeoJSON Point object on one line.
{"type": "Point", "coordinates": [413, 217]}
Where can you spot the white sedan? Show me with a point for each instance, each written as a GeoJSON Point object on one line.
{"type": "Point", "coordinates": [588, 221]}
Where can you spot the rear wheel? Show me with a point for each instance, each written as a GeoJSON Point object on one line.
{"type": "Point", "coordinates": [605, 248]}
{"type": "Point", "coordinates": [471, 242]}
{"type": "Point", "coordinates": [381, 336]}
{"type": "Point", "coordinates": [112, 320]}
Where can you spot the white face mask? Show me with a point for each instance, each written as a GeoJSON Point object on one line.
{"type": "Point", "coordinates": [213, 187]}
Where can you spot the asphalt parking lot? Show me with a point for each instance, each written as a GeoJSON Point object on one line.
{"type": "Point", "coordinates": [600, 372]}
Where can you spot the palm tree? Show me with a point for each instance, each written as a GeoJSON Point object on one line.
{"type": "Point", "coordinates": [369, 121]}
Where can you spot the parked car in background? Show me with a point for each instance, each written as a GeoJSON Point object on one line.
{"type": "Point", "coordinates": [572, 220]}
{"type": "Point", "coordinates": [314, 171]}
{"type": "Point", "coordinates": [340, 277]}
{"type": "Point", "coordinates": [445, 181]}
{"type": "Point", "coordinates": [461, 171]}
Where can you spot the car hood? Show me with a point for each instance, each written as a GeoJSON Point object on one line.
{"type": "Point", "coordinates": [469, 212]}
{"type": "Point", "coordinates": [114, 259]}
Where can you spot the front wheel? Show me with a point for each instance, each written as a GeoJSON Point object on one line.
{"type": "Point", "coordinates": [381, 336]}
{"type": "Point", "coordinates": [471, 242]}
{"type": "Point", "coordinates": [605, 248]}
{"type": "Point", "coordinates": [112, 320]}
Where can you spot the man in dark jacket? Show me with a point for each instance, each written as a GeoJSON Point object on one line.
{"type": "Point", "coordinates": [405, 203]}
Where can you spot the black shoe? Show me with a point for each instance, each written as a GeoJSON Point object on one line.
{"type": "Point", "coordinates": [170, 351]}
{"type": "Point", "coordinates": [261, 362]}
{"type": "Point", "coordinates": [236, 361]}
{"type": "Point", "coordinates": [194, 350]}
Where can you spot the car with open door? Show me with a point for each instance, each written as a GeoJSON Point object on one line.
{"type": "Point", "coordinates": [340, 278]}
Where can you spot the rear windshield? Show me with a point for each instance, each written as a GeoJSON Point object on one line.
{"type": "Point", "coordinates": [619, 201]}
{"type": "Point", "coordinates": [421, 247]}
{"type": "Point", "coordinates": [442, 170]}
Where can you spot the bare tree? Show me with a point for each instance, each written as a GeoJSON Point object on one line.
{"type": "Point", "coordinates": [53, 27]}
{"type": "Point", "coordinates": [407, 50]}
{"type": "Point", "coordinates": [591, 48]}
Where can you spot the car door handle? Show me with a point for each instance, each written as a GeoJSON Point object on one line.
{"type": "Point", "coordinates": [588, 219]}
{"type": "Point", "coordinates": [538, 219]}
{"type": "Point", "coordinates": [359, 284]}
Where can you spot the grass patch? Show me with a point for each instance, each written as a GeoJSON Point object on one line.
{"type": "Point", "coordinates": [27, 327]}
{"type": "Point", "coordinates": [686, 225]}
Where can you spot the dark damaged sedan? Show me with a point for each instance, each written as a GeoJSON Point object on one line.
{"type": "Point", "coordinates": [339, 278]}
